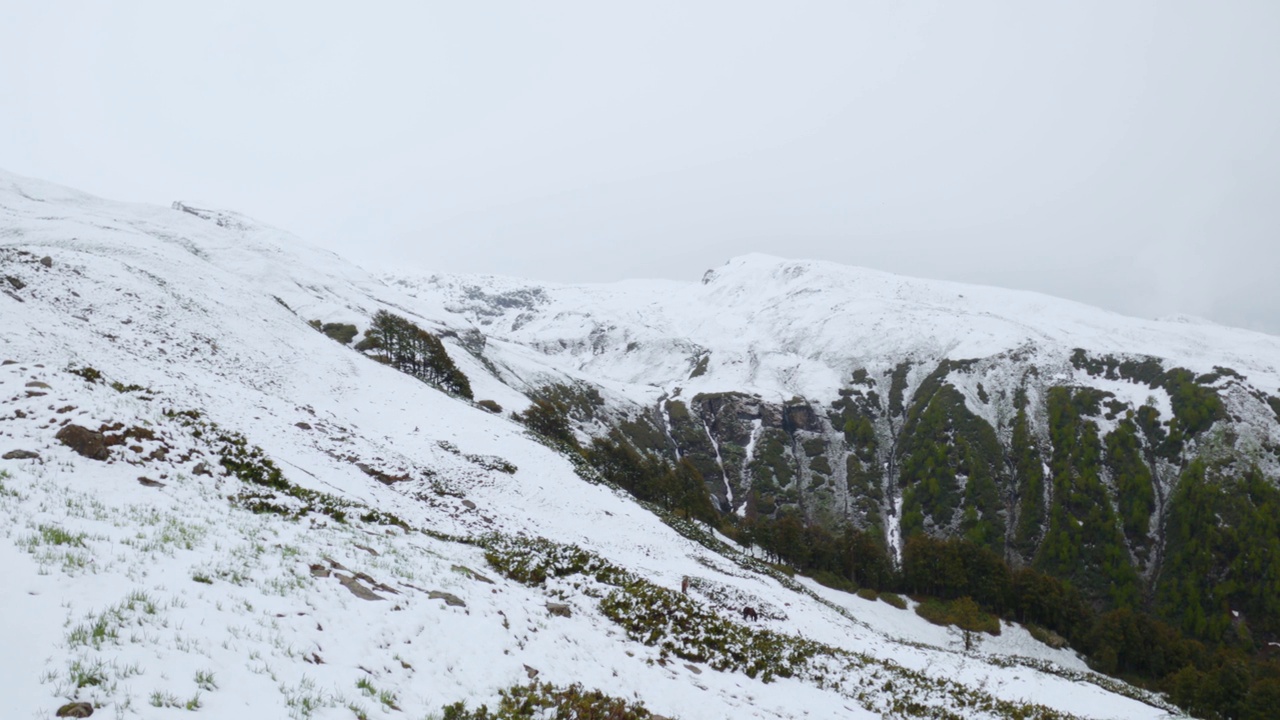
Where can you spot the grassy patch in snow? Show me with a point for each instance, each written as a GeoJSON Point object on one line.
{"type": "Point", "coordinates": [679, 626]}
{"type": "Point", "coordinates": [268, 491]}
{"type": "Point", "coordinates": [533, 701]}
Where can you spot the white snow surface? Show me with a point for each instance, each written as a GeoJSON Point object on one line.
{"type": "Point", "coordinates": [799, 327]}
{"type": "Point", "coordinates": [171, 598]}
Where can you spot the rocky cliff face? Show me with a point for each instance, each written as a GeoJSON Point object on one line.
{"type": "Point", "coordinates": [1006, 451]}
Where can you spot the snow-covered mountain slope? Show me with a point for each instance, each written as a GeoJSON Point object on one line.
{"type": "Point", "coordinates": [800, 386]}
{"type": "Point", "coordinates": [784, 328]}
{"type": "Point", "coordinates": [156, 562]}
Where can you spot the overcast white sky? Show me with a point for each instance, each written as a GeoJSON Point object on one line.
{"type": "Point", "coordinates": [1126, 154]}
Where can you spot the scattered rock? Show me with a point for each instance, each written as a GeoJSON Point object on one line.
{"type": "Point", "coordinates": [304, 426]}
{"type": "Point", "coordinates": [366, 548]}
{"type": "Point", "coordinates": [693, 669]}
{"type": "Point", "coordinates": [36, 393]}
{"type": "Point", "coordinates": [148, 482]}
{"type": "Point", "coordinates": [320, 571]}
{"type": "Point", "coordinates": [84, 441]}
{"type": "Point", "coordinates": [532, 673]}
{"type": "Point", "coordinates": [381, 476]}
{"type": "Point", "coordinates": [469, 505]}
{"type": "Point", "coordinates": [448, 598]}
{"type": "Point", "coordinates": [20, 455]}
{"type": "Point", "coordinates": [75, 710]}
{"type": "Point", "coordinates": [471, 573]}
{"type": "Point", "coordinates": [15, 282]}
{"type": "Point", "coordinates": [39, 385]}
{"type": "Point", "coordinates": [356, 588]}
{"type": "Point", "coordinates": [377, 585]}
{"type": "Point", "coordinates": [559, 609]}
{"type": "Point", "coordinates": [201, 469]}
{"type": "Point", "coordinates": [46, 261]}
{"type": "Point", "coordinates": [8, 362]}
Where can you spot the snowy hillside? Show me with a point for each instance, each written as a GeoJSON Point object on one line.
{"type": "Point", "coordinates": [211, 508]}
{"type": "Point", "coordinates": [784, 328]}
{"type": "Point", "coordinates": [758, 371]}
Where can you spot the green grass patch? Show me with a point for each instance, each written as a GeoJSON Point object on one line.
{"type": "Point", "coordinates": [54, 535]}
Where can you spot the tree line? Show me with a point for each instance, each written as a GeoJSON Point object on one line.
{"type": "Point", "coordinates": [1226, 679]}
{"type": "Point", "coordinates": [1185, 632]}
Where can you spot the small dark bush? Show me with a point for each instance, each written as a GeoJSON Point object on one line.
{"type": "Point", "coordinates": [894, 599]}
{"type": "Point", "coordinates": [342, 332]}
{"type": "Point", "coordinates": [89, 374]}
{"type": "Point", "coordinates": [574, 702]}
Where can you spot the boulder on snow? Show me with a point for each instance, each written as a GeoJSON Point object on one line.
{"type": "Point", "coordinates": [75, 710]}
{"type": "Point", "coordinates": [360, 591]}
{"type": "Point", "coordinates": [89, 443]}
{"type": "Point", "coordinates": [380, 476]}
{"type": "Point", "coordinates": [448, 598]}
{"type": "Point", "coordinates": [20, 455]}
{"type": "Point", "coordinates": [559, 609]}
{"type": "Point", "coordinates": [463, 569]}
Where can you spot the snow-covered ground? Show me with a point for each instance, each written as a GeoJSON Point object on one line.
{"type": "Point", "coordinates": [142, 585]}
{"type": "Point", "coordinates": [783, 327]}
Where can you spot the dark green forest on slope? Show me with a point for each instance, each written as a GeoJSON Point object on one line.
{"type": "Point", "coordinates": [1057, 526]}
